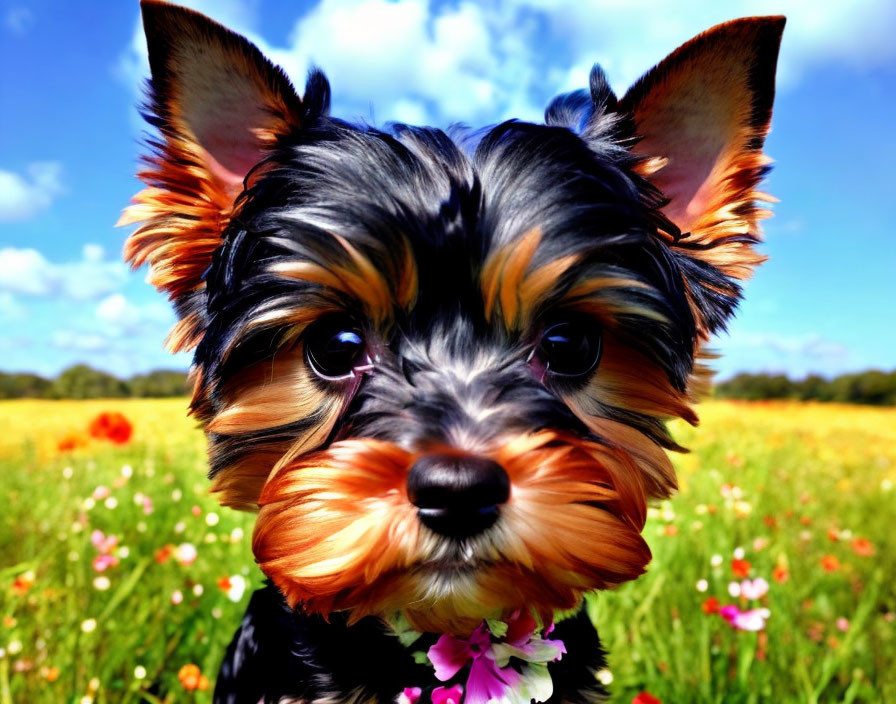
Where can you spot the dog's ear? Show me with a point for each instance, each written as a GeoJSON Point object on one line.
{"type": "Point", "coordinates": [218, 105]}
{"type": "Point", "coordinates": [700, 118]}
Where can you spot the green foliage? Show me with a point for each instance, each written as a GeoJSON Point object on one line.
{"type": "Point", "coordinates": [873, 388]}
{"type": "Point", "coordinates": [23, 385]}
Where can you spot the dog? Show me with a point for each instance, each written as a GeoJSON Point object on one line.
{"type": "Point", "coordinates": [439, 363]}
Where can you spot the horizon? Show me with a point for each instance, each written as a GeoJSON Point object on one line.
{"type": "Point", "coordinates": [820, 305]}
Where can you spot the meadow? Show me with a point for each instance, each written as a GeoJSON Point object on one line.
{"type": "Point", "coordinates": [121, 580]}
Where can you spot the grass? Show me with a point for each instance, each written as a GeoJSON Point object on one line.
{"type": "Point", "coordinates": [804, 491]}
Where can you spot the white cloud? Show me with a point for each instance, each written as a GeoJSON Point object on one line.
{"type": "Point", "coordinates": [121, 317]}
{"type": "Point", "coordinates": [28, 272]}
{"type": "Point", "coordinates": [425, 62]}
{"type": "Point", "coordinates": [794, 355]}
{"type": "Point", "coordinates": [23, 197]}
{"type": "Point", "coordinates": [80, 341]}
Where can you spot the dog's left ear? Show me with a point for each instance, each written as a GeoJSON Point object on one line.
{"type": "Point", "coordinates": [219, 106]}
{"type": "Point", "coordinates": [700, 118]}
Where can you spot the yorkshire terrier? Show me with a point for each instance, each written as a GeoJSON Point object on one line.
{"type": "Point", "coordinates": [439, 364]}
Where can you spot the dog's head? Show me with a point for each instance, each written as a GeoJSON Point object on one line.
{"type": "Point", "coordinates": [440, 362]}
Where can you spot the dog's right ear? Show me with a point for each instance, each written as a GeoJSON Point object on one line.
{"type": "Point", "coordinates": [218, 105]}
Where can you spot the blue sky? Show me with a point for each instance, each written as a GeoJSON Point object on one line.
{"type": "Point", "coordinates": [69, 134]}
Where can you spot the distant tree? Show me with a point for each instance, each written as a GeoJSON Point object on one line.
{"type": "Point", "coordinates": [871, 387]}
{"type": "Point", "coordinates": [158, 383]}
{"type": "Point", "coordinates": [23, 385]}
{"type": "Point", "coordinates": [82, 381]}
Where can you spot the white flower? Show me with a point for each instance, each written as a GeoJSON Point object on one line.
{"type": "Point", "coordinates": [739, 553]}
{"type": "Point", "coordinates": [88, 625]}
{"type": "Point", "coordinates": [177, 596]}
{"type": "Point", "coordinates": [127, 471]}
{"type": "Point", "coordinates": [14, 647]}
{"type": "Point", "coordinates": [734, 589]}
{"type": "Point", "coordinates": [186, 554]}
{"type": "Point", "coordinates": [89, 503]}
{"type": "Point", "coordinates": [140, 672]}
{"type": "Point", "coordinates": [102, 583]}
{"type": "Point", "coordinates": [111, 502]}
{"type": "Point", "coordinates": [702, 585]}
{"type": "Point", "coordinates": [180, 527]}
{"type": "Point", "coordinates": [604, 676]}
{"type": "Point", "coordinates": [198, 589]}
{"type": "Point", "coordinates": [236, 535]}
{"type": "Point", "coordinates": [176, 495]}
{"type": "Point", "coordinates": [237, 588]}
{"type": "Point", "coordinates": [67, 472]}
{"type": "Point", "coordinates": [716, 560]}
{"type": "Point", "coordinates": [211, 518]}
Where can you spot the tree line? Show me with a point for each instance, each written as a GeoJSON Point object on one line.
{"type": "Point", "coordinates": [871, 387]}
{"type": "Point", "coordinates": [82, 381]}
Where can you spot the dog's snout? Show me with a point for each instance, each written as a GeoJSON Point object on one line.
{"type": "Point", "coordinates": [457, 495]}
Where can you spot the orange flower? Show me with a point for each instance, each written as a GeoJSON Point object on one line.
{"type": "Point", "coordinates": [645, 698]}
{"type": "Point", "coordinates": [740, 568]}
{"type": "Point", "coordinates": [51, 674]}
{"type": "Point", "coordinates": [22, 584]}
{"type": "Point", "coordinates": [670, 529]}
{"type": "Point", "coordinates": [862, 546]}
{"type": "Point", "coordinates": [112, 426]}
{"type": "Point", "coordinates": [224, 583]}
{"type": "Point", "coordinates": [833, 534]}
{"type": "Point", "coordinates": [163, 553]}
{"type": "Point", "coordinates": [71, 441]}
{"type": "Point", "coordinates": [780, 574]}
{"type": "Point", "coordinates": [830, 563]}
{"type": "Point", "coordinates": [191, 678]}
{"type": "Point", "coordinates": [711, 606]}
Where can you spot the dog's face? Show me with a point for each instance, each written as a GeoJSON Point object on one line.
{"type": "Point", "coordinates": [440, 363]}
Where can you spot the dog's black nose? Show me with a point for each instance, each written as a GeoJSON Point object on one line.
{"type": "Point", "coordinates": [457, 495]}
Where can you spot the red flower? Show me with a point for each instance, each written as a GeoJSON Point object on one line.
{"type": "Point", "coordinates": [780, 574]}
{"type": "Point", "coordinates": [645, 698]}
{"type": "Point", "coordinates": [711, 605]}
{"type": "Point", "coordinates": [71, 441]}
{"type": "Point", "coordinates": [111, 426]}
{"type": "Point", "coordinates": [862, 546]}
{"type": "Point", "coordinates": [740, 568]}
{"type": "Point", "coordinates": [830, 563]}
{"type": "Point", "coordinates": [163, 553]}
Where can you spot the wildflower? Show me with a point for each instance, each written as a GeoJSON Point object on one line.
{"type": "Point", "coordinates": [604, 676]}
{"type": "Point", "coordinates": [22, 583]}
{"type": "Point", "coordinates": [191, 678]}
{"type": "Point", "coordinates": [236, 535]}
{"type": "Point", "coordinates": [88, 625]}
{"type": "Point", "coordinates": [716, 560]}
{"type": "Point", "coordinates": [67, 473]}
{"type": "Point", "coordinates": [645, 698]}
{"type": "Point", "coordinates": [180, 527]}
{"type": "Point", "coordinates": [101, 583]}
{"type": "Point", "coordinates": [670, 529]}
{"type": "Point", "coordinates": [447, 695]}
{"type": "Point", "coordinates": [739, 553]}
{"type": "Point", "coordinates": [177, 597]}
{"type": "Point", "coordinates": [780, 574]}
{"type": "Point", "coordinates": [410, 695]}
{"type": "Point", "coordinates": [196, 511]}
{"type": "Point", "coordinates": [490, 676]}
{"type": "Point", "coordinates": [111, 426]}
{"type": "Point", "coordinates": [754, 589]}
{"type": "Point", "coordinates": [103, 562]}
{"type": "Point", "coordinates": [101, 492]}
{"type": "Point", "coordinates": [862, 547]}
{"type": "Point", "coordinates": [742, 509]}
{"type": "Point", "coordinates": [734, 589]}
{"type": "Point", "coordinates": [830, 563]}
{"type": "Point", "coordinates": [770, 522]}
{"type": "Point", "coordinates": [752, 620]}
{"type": "Point", "coordinates": [237, 588]}
{"type": "Point", "coordinates": [139, 672]}
{"type": "Point", "coordinates": [833, 534]}
{"type": "Point", "coordinates": [186, 554]}
{"type": "Point", "coordinates": [198, 589]}
{"type": "Point", "coordinates": [14, 647]}
{"type": "Point", "coordinates": [760, 544]}
{"type": "Point", "coordinates": [110, 503]}
{"type": "Point", "coordinates": [50, 674]}
{"type": "Point", "coordinates": [10, 621]}
{"type": "Point", "coordinates": [842, 624]}
{"type": "Point", "coordinates": [127, 471]}
{"type": "Point", "coordinates": [69, 442]}
{"type": "Point", "coordinates": [711, 605]}
{"type": "Point", "coordinates": [740, 568]}
{"type": "Point", "coordinates": [211, 518]}
{"type": "Point", "coordinates": [103, 543]}
{"type": "Point", "coordinates": [702, 585]}
{"type": "Point", "coordinates": [163, 553]}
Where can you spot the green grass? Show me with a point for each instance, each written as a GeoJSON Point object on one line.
{"type": "Point", "coordinates": [812, 478]}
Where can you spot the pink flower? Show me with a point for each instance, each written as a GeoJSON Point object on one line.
{"type": "Point", "coordinates": [410, 695]}
{"type": "Point", "coordinates": [491, 675]}
{"type": "Point", "coordinates": [447, 695]}
{"type": "Point", "coordinates": [754, 588]}
{"type": "Point", "coordinates": [753, 620]}
{"type": "Point", "coordinates": [101, 492]}
{"type": "Point", "coordinates": [186, 554]}
{"type": "Point", "coordinates": [102, 562]}
{"type": "Point", "coordinates": [105, 544]}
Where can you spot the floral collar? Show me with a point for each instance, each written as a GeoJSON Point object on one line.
{"type": "Point", "coordinates": [501, 662]}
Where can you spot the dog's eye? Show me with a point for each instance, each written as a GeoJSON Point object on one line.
{"type": "Point", "coordinates": [335, 347]}
{"type": "Point", "coordinates": [570, 348]}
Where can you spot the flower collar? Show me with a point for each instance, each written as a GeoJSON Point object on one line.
{"type": "Point", "coordinates": [501, 662]}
